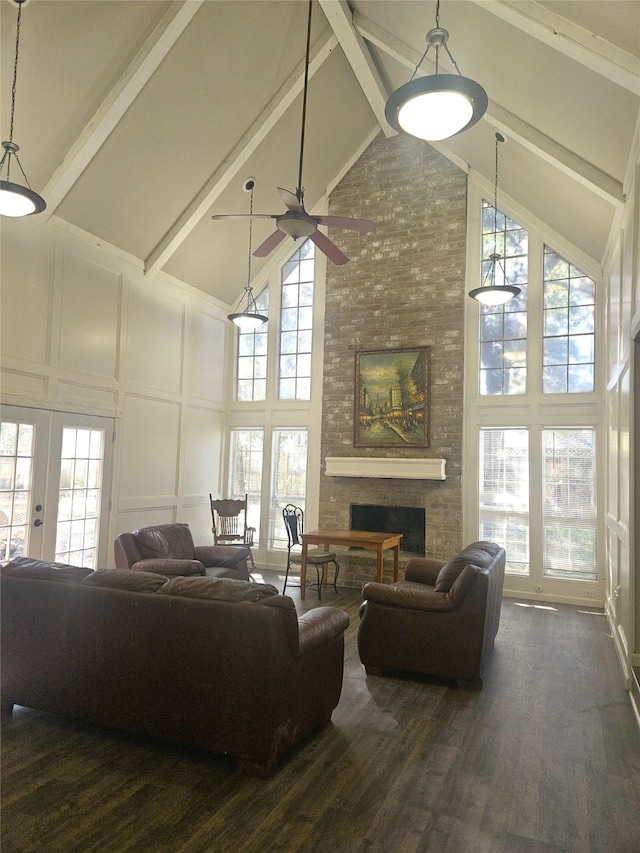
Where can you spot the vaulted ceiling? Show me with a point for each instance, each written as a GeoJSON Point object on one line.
{"type": "Point", "coordinates": [139, 119]}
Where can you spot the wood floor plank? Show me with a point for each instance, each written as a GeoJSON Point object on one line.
{"type": "Point", "coordinates": [546, 758]}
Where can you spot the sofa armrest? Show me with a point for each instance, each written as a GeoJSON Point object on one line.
{"type": "Point", "coordinates": [319, 625]}
{"type": "Point", "coordinates": [222, 556]}
{"type": "Point", "coordinates": [423, 570]}
{"type": "Point", "coordinates": [409, 596]}
{"type": "Point", "coordinates": [169, 568]}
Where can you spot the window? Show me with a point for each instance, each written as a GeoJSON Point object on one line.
{"type": "Point", "coordinates": [251, 383]}
{"type": "Point", "coordinates": [288, 478]}
{"type": "Point", "coordinates": [504, 493]}
{"type": "Point", "coordinates": [569, 321]}
{"type": "Point", "coordinates": [503, 328]}
{"type": "Point", "coordinates": [296, 323]}
{"type": "Point", "coordinates": [245, 472]}
{"type": "Point", "coordinates": [569, 503]}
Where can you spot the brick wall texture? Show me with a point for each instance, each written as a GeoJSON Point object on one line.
{"type": "Point", "coordinates": [403, 287]}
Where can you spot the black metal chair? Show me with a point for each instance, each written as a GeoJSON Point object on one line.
{"type": "Point", "coordinates": [294, 523]}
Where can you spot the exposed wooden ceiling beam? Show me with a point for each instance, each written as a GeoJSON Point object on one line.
{"type": "Point", "coordinates": [117, 102]}
{"type": "Point", "coordinates": [581, 45]}
{"type": "Point", "coordinates": [236, 159]}
{"type": "Point", "coordinates": [357, 53]}
{"type": "Point", "coordinates": [542, 146]}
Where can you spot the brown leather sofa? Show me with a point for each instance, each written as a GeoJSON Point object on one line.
{"type": "Point", "coordinates": [441, 620]}
{"type": "Point", "coordinates": [168, 549]}
{"type": "Point", "coordinates": [214, 663]}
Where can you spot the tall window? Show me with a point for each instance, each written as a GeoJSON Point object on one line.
{"type": "Point", "coordinates": [252, 357]}
{"type": "Point", "coordinates": [569, 503]}
{"type": "Point", "coordinates": [296, 323]}
{"type": "Point", "coordinates": [536, 465]}
{"type": "Point", "coordinates": [246, 451]}
{"type": "Point", "coordinates": [503, 328]}
{"type": "Point", "coordinates": [504, 493]}
{"type": "Point", "coordinates": [288, 478]}
{"type": "Point", "coordinates": [569, 325]}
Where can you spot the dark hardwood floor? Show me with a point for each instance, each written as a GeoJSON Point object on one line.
{"type": "Point", "coordinates": [545, 758]}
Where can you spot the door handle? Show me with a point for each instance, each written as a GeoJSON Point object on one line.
{"type": "Point", "coordinates": [37, 522]}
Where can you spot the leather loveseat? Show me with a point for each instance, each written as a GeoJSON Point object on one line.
{"type": "Point", "coordinates": [441, 620]}
{"type": "Point", "coordinates": [215, 663]}
{"type": "Point", "coordinates": [168, 549]}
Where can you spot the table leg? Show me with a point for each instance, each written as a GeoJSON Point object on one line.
{"type": "Point", "coordinates": [379, 555]}
{"type": "Point", "coordinates": [396, 562]}
{"type": "Point", "coordinates": [303, 571]}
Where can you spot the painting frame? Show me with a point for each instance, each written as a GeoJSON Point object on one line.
{"type": "Point", "coordinates": [392, 398]}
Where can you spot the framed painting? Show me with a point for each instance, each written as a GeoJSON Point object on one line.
{"type": "Point", "coordinates": [392, 398]}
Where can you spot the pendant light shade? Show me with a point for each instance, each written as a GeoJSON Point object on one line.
{"type": "Point", "coordinates": [16, 199]}
{"type": "Point", "coordinates": [249, 317]}
{"type": "Point", "coordinates": [495, 288]}
{"type": "Point", "coordinates": [440, 105]}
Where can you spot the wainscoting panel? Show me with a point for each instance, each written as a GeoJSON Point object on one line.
{"type": "Point", "coordinates": [154, 339]}
{"type": "Point", "coordinates": [90, 314]}
{"type": "Point", "coordinates": [204, 356]}
{"type": "Point", "coordinates": [150, 448]}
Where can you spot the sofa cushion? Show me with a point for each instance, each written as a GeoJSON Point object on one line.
{"type": "Point", "coordinates": [169, 567]}
{"type": "Point", "coordinates": [479, 554]}
{"type": "Point", "coordinates": [217, 589]}
{"type": "Point", "coordinates": [26, 567]}
{"type": "Point", "coordinates": [166, 541]}
{"type": "Point", "coordinates": [125, 579]}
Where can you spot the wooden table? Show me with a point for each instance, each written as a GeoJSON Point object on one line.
{"type": "Point", "coordinates": [378, 542]}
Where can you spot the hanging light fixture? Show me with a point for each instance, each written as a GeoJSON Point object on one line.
{"type": "Point", "coordinates": [15, 199]}
{"type": "Point", "coordinates": [440, 105]}
{"type": "Point", "coordinates": [249, 317]}
{"type": "Point", "coordinates": [490, 292]}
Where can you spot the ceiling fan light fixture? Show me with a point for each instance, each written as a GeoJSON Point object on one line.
{"type": "Point", "coordinates": [296, 226]}
{"type": "Point", "coordinates": [437, 106]}
{"type": "Point", "coordinates": [15, 199]}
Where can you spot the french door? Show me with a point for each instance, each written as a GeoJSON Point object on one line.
{"type": "Point", "coordinates": [55, 481]}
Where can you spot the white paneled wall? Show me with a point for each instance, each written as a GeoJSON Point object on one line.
{"type": "Point", "coordinates": [622, 276]}
{"type": "Point", "coordinates": [84, 331]}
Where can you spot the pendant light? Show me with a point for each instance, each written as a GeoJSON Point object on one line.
{"type": "Point", "coordinates": [15, 199]}
{"type": "Point", "coordinates": [491, 293]}
{"type": "Point", "coordinates": [440, 105]}
{"type": "Point", "coordinates": [249, 317]}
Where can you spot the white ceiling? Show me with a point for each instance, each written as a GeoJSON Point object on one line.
{"type": "Point", "coordinates": [138, 119]}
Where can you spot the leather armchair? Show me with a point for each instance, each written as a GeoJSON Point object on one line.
{"type": "Point", "coordinates": [168, 549]}
{"type": "Point", "coordinates": [441, 620]}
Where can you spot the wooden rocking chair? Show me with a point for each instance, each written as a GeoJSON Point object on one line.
{"type": "Point", "coordinates": [230, 524]}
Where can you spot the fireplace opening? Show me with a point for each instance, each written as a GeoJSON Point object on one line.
{"type": "Point", "coordinates": [408, 520]}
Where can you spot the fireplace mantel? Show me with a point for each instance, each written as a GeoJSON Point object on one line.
{"type": "Point", "coordinates": [390, 469]}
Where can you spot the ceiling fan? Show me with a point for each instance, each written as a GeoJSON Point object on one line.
{"type": "Point", "coordinates": [296, 222]}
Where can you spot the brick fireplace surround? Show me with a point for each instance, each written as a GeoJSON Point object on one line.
{"type": "Point", "coordinates": [403, 287]}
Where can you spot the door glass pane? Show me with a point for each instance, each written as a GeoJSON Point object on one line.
{"type": "Point", "coordinates": [288, 479]}
{"type": "Point", "coordinates": [16, 476]}
{"type": "Point", "coordinates": [81, 475]}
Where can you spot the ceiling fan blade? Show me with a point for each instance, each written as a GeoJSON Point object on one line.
{"type": "Point", "coordinates": [290, 199]}
{"type": "Point", "coordinates": [363, 225]}
{"type": "Point", "coordinates": [245, 216]}
{"type": "Point", "coordinates": [330, 249]}
{"type": "Point", "coordinates": [269, 244]}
